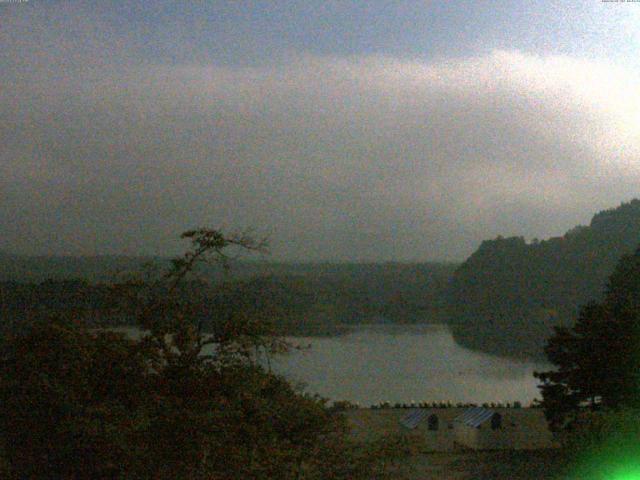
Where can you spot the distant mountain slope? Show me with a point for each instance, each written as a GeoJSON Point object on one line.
{"type": "Point", "coordinates": [506, 296]}
{"type": "Point", "coordinates": [23, 268]}
{"type": "Point", "coordinates": [326, 298]}
{"type": "Point", "coordinates": [303, 298]}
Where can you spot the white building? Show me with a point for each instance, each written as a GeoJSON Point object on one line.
{"type": "Point", "coordinates": [499, 429]}
{"type": "Point", "coordinates": [448, 429]}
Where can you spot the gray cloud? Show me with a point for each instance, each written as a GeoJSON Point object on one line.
{"type": "Point", "coordinates": [340, 158]}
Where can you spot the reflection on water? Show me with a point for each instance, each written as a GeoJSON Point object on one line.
{"type": "Point", "coordinates": [406, 363]}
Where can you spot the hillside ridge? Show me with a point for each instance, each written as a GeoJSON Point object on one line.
{"type": "Point", "coordinates": [506, 297]}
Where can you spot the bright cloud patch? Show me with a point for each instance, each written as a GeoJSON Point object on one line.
{"type": "Point", "coordinates": [367, 158]}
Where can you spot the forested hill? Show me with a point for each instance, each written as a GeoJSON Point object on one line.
{"type": "Point", "coordinates": [304, 298]}
{"type": "Point", "coordinates": [40, 268]}
{"type": "Point", "coordinates": [326, 299]}
{"type": "Point", "coordinates": [506, 297]}
{"type": "Point", "coordinates": [503, 299]}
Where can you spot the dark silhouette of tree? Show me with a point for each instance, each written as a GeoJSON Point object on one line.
{"type": "Point", "coordinates": [175, 403]}
{"type": "Point", "coordinates": [598, 359]}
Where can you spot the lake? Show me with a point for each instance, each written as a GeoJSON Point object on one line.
{"type": "Point", "coordinates": [404, 363]}
{"type": "Point", "coordinates": [398, 363]}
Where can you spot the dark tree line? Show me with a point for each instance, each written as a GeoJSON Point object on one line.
{"type": "Point", "coordinates": [507, 296]}
{"type": "Point", "coordinates": [598, 359]}
{"type": "Point", "coordinates": [304, 299]}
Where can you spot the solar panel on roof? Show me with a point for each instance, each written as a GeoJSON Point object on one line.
{"type": "Point", "coordinates": [475, 416]}
{"type": "Point", "coordinates": [414, 417]}
{"type": "Point", "coordinates": [467, 414]}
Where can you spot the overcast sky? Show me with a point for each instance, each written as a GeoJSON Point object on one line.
{"type": "Point", "coordinates": [346, 130]}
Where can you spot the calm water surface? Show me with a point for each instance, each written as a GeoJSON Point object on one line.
{"type": "Point", "coordinates": [404, 364]}
{"type": "Point", "coordinates": [400, 363]}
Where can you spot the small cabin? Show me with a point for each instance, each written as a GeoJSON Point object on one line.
{"type": "Point", "coordinates": [481, 428]}
{"type": "Point", "coordinates": [433, 426]}
{"type": "Point", "coordinates": [448, 429]}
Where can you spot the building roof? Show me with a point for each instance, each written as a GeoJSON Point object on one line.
{"type": "Point", "coordinates": [414, 417]}
{"type": "Point", "coordinates": [474, 417]}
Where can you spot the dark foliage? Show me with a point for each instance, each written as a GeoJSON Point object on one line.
{"type": "Point", "coordinates": [598, 359]}
{"type": "Point", "coordinates": [175, 403]}
{"type": "Point", "coordinates": [509, 294]}
{"type": "Point", "coordinates": [308, 299]}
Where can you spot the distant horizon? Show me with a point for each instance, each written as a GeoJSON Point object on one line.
{"type": "Point", "coordinates": [269, 259]}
